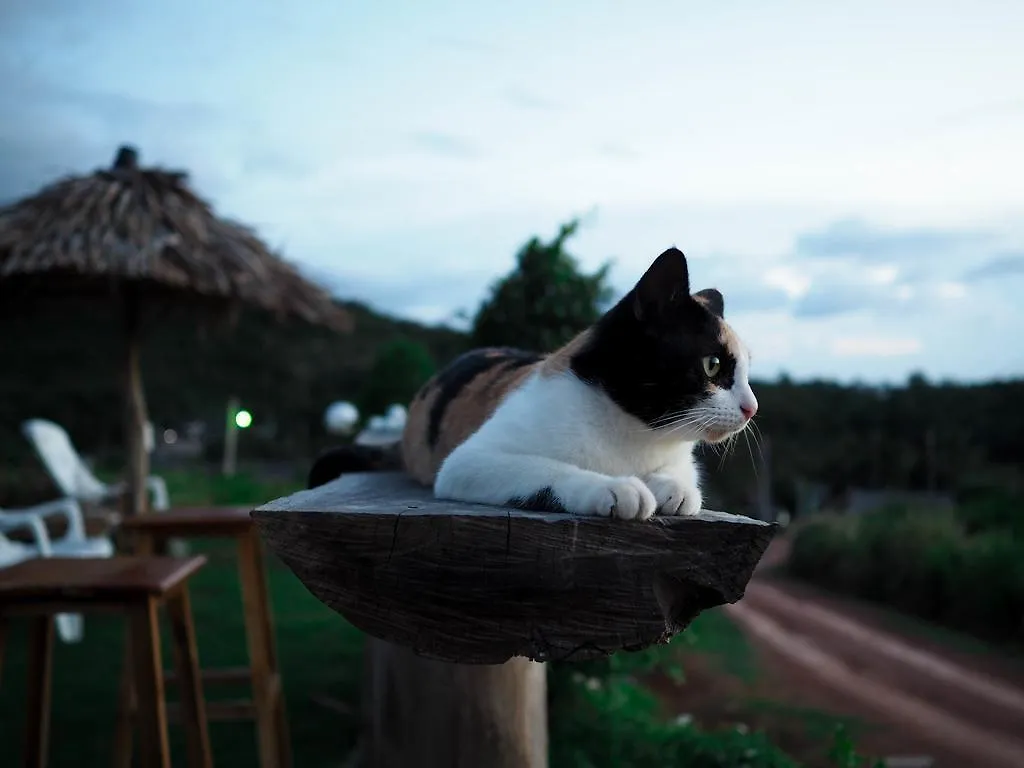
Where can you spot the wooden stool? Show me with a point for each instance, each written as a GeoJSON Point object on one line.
{"type": "Point", "coordinates": [136, 586]}
{"type": "Point", "coordinates": [151, 534]}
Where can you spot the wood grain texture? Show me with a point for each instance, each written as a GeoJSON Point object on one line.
{"type": "Point", "coordinates": [431, 714]}
{"type": "Point", "coordinates": [475, 584]}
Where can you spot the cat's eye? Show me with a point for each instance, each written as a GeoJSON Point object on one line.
{"type": "Point", "coordinates": [712, 365]}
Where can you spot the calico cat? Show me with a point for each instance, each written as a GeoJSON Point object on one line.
{"type": "Point", "coordinates": [606, 425]}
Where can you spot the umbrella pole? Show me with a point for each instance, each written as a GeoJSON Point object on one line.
{"type": "Point", "coordinates": [136, 495]}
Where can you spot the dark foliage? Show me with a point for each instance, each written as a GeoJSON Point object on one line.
{"type": "Point", "coordinates": [962, 568]}
{"type": "Point", "coordinates": [401, 367]}
{"type": "Point", "coordinates": [544, 301]}
{"type": "Point", "coordinates": [62, 362]}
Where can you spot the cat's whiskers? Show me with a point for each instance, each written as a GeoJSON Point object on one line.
{"type": "Point", "coordinates": [678, 421]}
{"type": "Point", "coordinates": [697, 420]}
{"type": "Point", "coordinates": [756, 434]}
{"type": "Point", "coordinates": [669, 417]}
{"type": "Point", "coordinates": [753, 463]}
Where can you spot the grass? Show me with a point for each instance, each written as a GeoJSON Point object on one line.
{"type": "Point", "coordinates": [321, 656]}
{"type": "Point", "coordinates": [726, 686]}
{"type": "Point", "coordinates": [195, 486]}
{"type": "Point", "coordinates": [714, 635]}
{"type": "Point", "coordinates": [320, 653]}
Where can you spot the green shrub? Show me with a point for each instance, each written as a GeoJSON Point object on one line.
{"type": "Point", "coordinates": [962, 568]}
{"type": "Point", "coordinates": [993, 510]}
{"type": "Point", "coordinates": [989, 594]}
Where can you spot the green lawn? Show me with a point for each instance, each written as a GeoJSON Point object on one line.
{"type": "Point", "coordinates": [616, 724]}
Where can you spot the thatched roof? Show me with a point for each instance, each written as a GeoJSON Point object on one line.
{"type": "Point", "coordinates": [145, 228]}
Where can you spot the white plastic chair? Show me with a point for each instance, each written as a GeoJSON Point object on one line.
{"type": "Point", "coordinates": [74, 543]}
{"type": "Point", "coordinates": [71, 474]}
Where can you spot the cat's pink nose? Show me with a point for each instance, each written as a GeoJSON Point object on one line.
{"type": "Point", "coordinates": [748, 410]}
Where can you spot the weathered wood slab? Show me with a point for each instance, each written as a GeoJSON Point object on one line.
{"type": "Point", "coordinates": [474, 584]}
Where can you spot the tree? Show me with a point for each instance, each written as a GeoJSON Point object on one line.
{"type": "Point", "coordinates": [400, 368]}
{"type": "Point", "coordinates": [544, 301]}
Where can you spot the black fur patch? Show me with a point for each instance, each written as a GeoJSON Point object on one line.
{"type": "Point", "coordinates": [334, 462]}
{"type": "Point", "coordinates": [646, 352]}
{"type": "Point", "coordinates": [543, 500]}
{"type": "Point", "coordinates": [454, 378]}
{"type": "Point", "coordinates": [714, 299]}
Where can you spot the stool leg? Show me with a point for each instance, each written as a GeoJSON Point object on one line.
{"type": "Point", "coordinates": [280, 714]}
{"type": "Point", "coordinates": [273, 752]}
{"type": "Point", "coordinates": [40, 672]}
{"type": "Point", "coordinates": [186, 657]}
{"type": "Point", "coordinates": [126, 706]}
{"type": "Point", "coordinates": [154, 748]}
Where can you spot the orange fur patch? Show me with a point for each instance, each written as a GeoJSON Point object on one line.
{"type": "Point", "coordinates": [465, 413]}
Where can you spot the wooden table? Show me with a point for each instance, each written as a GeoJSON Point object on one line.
{"type": "Point", "coordinates": [150, 533]}
{"type": "Point", "coordinates": [137, 586]}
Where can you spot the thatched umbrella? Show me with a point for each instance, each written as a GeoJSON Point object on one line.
{"type": "Point", "coordinates": [142, 238]}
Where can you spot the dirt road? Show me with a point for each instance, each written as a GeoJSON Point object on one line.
{"type": "Point", "coordinates": [962, 710]}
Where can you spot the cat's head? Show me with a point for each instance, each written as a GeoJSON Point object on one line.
{"type": "Point", "coordinates": [668, 357]}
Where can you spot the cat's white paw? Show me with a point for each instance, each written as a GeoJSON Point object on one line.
{"type": "Point", "coordinates": [627, 498]}
{"type": "Point", "coordinates": [673, 496]}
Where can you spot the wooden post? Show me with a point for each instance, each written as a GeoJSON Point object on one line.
{"type": "Point", "coordinates": [230, 439]}
{"type": "Point", "coordinates": [463, 603]}
{"type": "Point", "coordinates": [137, 496]}
{"type": "Point", "coordinates": [433, 714]}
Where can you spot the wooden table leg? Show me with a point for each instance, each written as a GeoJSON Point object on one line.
{"type": "Point", "coordinates": [40, 672]}
{"type": "Point", "coordinates": [154, 748]}
{"type": "Point", "coordinates": [273, 752]}
{"type": "Point", "coordinates": [190, 685]}
{"type": "Point", "coordinates": [127, 705]}
{"type": "Point", "coordinates": [280, 713]}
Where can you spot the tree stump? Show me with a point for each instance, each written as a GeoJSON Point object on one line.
{"type": "Point", "coordinates": [465, 602]}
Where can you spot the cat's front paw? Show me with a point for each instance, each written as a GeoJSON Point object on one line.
{"type": "Point", "coordinates": [673, 496]}
{"type": "Point", "coordinates": [627, 498]}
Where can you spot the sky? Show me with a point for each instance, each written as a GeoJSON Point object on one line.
{"type": "Point", "coordinates": [849, 175]}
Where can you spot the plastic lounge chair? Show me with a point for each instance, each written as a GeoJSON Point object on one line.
{"type": "Point", "coordinates": [75, 480]}
{"type": "Point", "coordinates": [74, 543]}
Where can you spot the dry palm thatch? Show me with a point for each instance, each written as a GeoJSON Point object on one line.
{"type": "Point", "coordinates": [142, 237]}
{"type": "Point", "coordinates": [144, 230]}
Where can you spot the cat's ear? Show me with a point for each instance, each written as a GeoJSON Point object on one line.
{"type": "Point", "coordinates": [712, 299]}
{"type": "Point", "coordinates": [665, 283]}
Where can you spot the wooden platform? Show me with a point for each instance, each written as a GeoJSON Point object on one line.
{"type": "Point", "coordinates": [475, 584]}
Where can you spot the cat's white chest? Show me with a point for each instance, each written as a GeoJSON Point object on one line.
{"type": "Point", "coordinates": [561, 418]}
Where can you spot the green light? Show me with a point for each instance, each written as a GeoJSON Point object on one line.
{"type": "Point", "coordinates": [243, 419]}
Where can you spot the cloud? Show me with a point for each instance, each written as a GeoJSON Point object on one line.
{"type": "Point", "coordinates": [855, 239]}
{"type": "Point", "coordinates": [755, 299]}
{"type": "Point", "coordinates": [463, 44]}
{"type": "Point", "coordinates": [444, 144]}
{"type": "Point", "coordinates": [526, 99]}
{"type": "Point", "coordinates": [852, 266]}
{"type": "Point", "coordinates": [1003, 265]}
{"type": "Point", "coordinates": [618, 152]}
{"type": "Point", "coordinates": [876, 346]}
{"type": "Point", "coordinates": [51, 130]}
{"type": "Point", "coordinates": [838, 299]}
{"type": "Point", "coordinates": [430, 297]}
{"type": "Point", "coordinates": [992, 109]}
